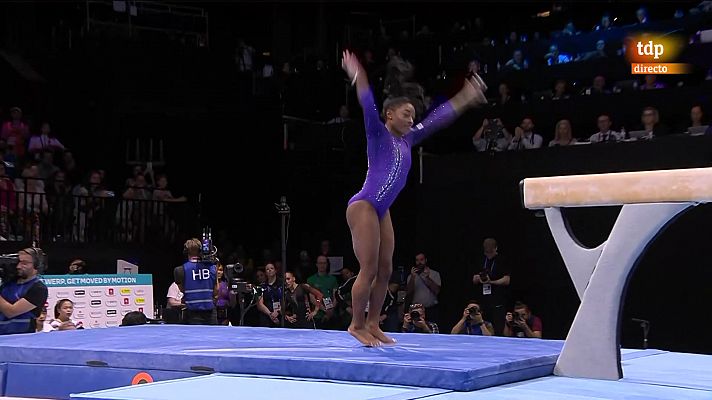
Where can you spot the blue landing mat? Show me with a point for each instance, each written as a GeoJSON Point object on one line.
{"type": "Point", "coordinates": [454, 362]}
{"type": "Point", "coordinates": [669, 377]}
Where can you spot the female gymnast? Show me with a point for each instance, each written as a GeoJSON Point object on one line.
{"type": "Point", "coordinates": [389, 158]}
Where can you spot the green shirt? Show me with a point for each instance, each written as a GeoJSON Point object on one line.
{"type": "Point", "coordinates": [326, 284]}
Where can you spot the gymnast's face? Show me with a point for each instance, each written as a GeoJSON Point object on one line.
{"type": "Point", "coordinates": [399, 119]}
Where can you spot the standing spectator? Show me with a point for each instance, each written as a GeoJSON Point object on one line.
{"type": "Point", "coordinates": [22, 299]}
{"type": "Point", "coordinates": [424, 286]}
{"type": "Point", "coordinates": [605, 23]}
{"type": "Point", "coordinates": [32, 203]}
{"type": "Point", "coordinates": [45, 141]}
{"type": "Point", "coordinates": [522, 323]}
{"type": "Point", "coordinates": [8, 202]}
{"type": "Point", "coordinates": [563, 135]}
{"type": "Point", "coordinates": [524, 136]}
{"type": "Point", "coordinates": [389, 313]}
{"type": "Point", "coordinates": [327, 285]}
{"type": "Point", "coordinates": [269, 304]}
{"type": "Point", "coordinates": [222, 297]}
{"type": "Point", "coordinates": [348, 277]}
{"type": "Point", "coordinates": [492, 283]}
{"type": "Point", "coordinates": [298, 312]}
{"type": "Point", "coordinates": [15, 132]}
{"type": "Point", "coordinates": [174, 305]}
{"type": "Point", "coordinates": [504, 94]}
{"type": "Point", "coordinates": [46, 167]}
{"type": "Point", "coordinates": [77, 267]}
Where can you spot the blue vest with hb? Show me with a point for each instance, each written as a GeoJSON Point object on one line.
{"type": "Point", "coordinates": [22, 323]}
{"type": "Point", "coordinates": [199, 282]}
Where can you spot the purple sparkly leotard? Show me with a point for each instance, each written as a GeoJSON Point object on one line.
{"type": "Point", "coordinates": [389, 155]}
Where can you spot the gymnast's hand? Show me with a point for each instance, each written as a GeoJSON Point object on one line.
{"type": "Point", "coordinates": [350, 64]}
{"type": "Point", "coordinates": [473, 91]}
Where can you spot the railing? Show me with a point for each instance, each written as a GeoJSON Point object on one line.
{"type": "Point", "coordinates": [27, 215]}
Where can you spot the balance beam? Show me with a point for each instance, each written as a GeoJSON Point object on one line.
{"type": "Point", "coordinates": [651, 200]}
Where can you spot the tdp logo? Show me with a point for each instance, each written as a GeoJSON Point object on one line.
{"type": "Point", "coordinates": [650, 49]}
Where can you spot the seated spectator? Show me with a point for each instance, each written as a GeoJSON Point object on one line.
{"type": "Point", "coordinates": [415, 321]}
{"type": "Point", "coordinates": [605, 23]}
{"type": "Point", "coordinates": [598, 86]}
{"type": "Point", "coordinates": [569, 30]}
{"type": "Point", "coordinates": [563, 135]}
{"type": "Point", "coordinates": [134, 318]}
{"type": "Point", "coordinates": [77, 267]}
{"type": "Point", "coordinates": [600, 52]}
{"type": "Point", "coordinates": [517, 62]}
{"type": "Point", "coordinates": [522, 323]}
{"type": "Point", "coordinates": [62, 320]}
{"type": "Point", "coordinates": [554, 57]}
{"type": "Point", "coordinates": [39, 322]}
{"type": "Point", "coordinates": [650, 122]}
{"type": "Point", "coordinates": [605, 134]}
{"type": "Point", "coordinates": [524, 136]}
{"type": "Point", "coordinates": [504, 95]}
{"type": "Point", "coordinates": [472, 322]}
{"type": "Point", "coordinates": [45, 141]}
{"type": "Point", "coordinates": [651, 83]}
{"type": "Point", "coordinates": [560, 90]}
{"type": "Point", "coordinates": [15, 132]}
{"type": "Point", "coordinates": [492, 136]}
{"type": "Point", "coordinates": [642, 15]}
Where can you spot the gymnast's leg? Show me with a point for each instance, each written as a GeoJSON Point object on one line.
{"type": "Point", "coordinates": [383, 276]}
{"type": "Point", "coordinates": [365, 236]}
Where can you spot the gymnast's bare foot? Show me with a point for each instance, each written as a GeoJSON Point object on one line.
{"type": "Point", "coordinates": [363, 336]}
{"type": "Point", "coordinates": [377, 333]}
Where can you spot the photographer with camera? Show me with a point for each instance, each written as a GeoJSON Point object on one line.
{"type": "Point", "coordinates": [414, 321]}
{"type": "Point", "coordinates": [198, 281]}
{"type": "Point", "coordinates": [492, 136]}
{"type": "Point", "coordinates": [492, 284]}
{"type": "Point", "coordinates": [472, 322]}
{"type": "Point", "coordinates": [423, 285]}
{"type": "Point", "coordinates": [23, 296]}
{"type": "Point", "coordinates": [522, 323]}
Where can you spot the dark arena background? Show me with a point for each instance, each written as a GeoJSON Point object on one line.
{"type": "Point", "coordinates": [177, 116]}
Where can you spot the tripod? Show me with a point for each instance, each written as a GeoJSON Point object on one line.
{"type": "Point", "coordinates": [284, 211]}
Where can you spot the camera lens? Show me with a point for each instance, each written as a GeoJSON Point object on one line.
{"type": "Point", "coordinates": [415, 315]}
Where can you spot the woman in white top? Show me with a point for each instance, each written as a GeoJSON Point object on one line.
{"type": "Point", "coordinates": [62, 320]}
{"type": "Point", "coordinates": [563, 135]}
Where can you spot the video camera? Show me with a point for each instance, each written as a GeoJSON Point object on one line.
{"type": "Point", "coordinates": [8, 267]}
{"type": "Point", "coordinates": [208, 252]}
